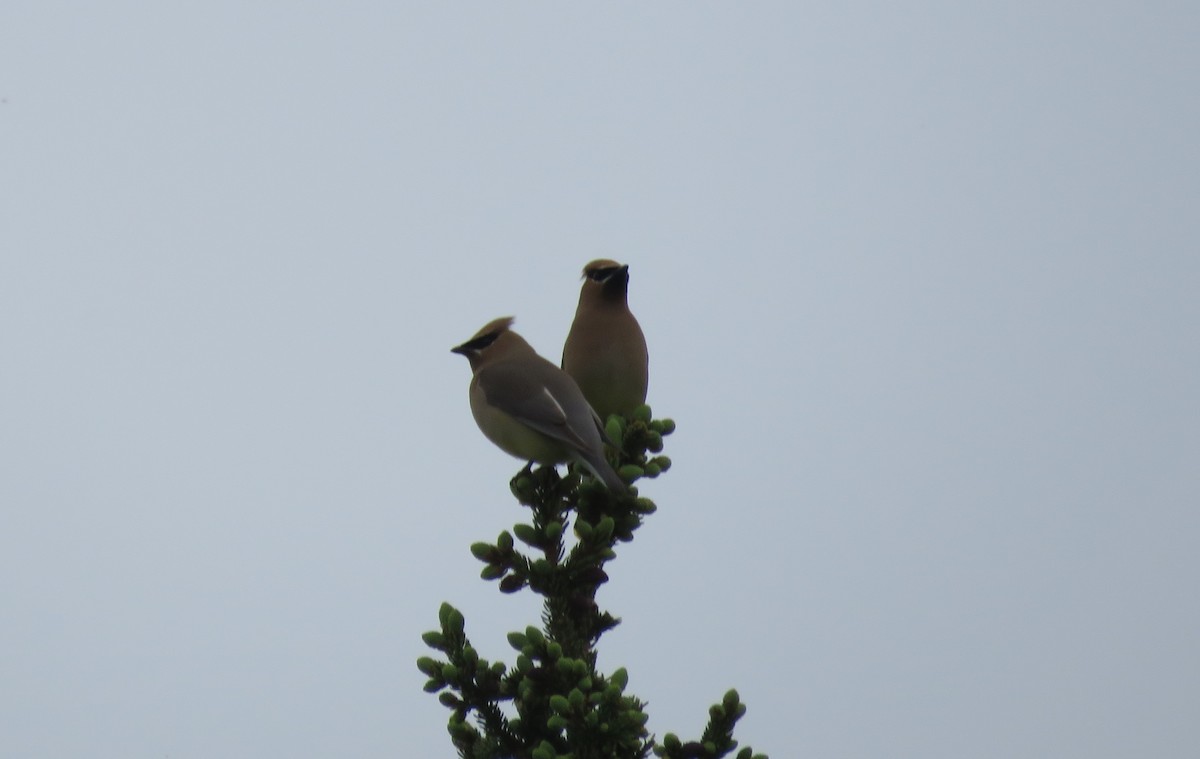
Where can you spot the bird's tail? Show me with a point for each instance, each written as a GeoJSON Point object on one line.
{"type": "Point", "coordinates": [599, 466]}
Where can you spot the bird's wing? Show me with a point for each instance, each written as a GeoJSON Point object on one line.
{"type": "Point", "coordinates": [534, 397]}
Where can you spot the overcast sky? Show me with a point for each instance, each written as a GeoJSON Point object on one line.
{"type": "Point", "coordinates": [921, 285]}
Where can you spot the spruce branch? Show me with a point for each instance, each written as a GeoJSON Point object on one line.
{"type": "Point", "coordinates": [553, 703]}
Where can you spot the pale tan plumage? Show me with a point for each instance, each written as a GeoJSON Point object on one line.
{"type": "Point", "coordinates": [529, 407]}
{"type": "Point", "coordinates": [605, 350]}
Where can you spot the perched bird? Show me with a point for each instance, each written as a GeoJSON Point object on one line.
{"type": "Point", "coordinates": [529, 407]}
{"type": "Point", "coordinates": [605, 350]}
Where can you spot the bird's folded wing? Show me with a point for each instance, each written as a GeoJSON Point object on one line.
{"type": "Point", "coordinates": [529, 396]}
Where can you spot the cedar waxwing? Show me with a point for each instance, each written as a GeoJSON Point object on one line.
{"type": "Point", "coordinates": [529, 407]}
{"type": "Point", "coordinates": [605, 350]}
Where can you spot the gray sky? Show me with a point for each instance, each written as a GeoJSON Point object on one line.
{"type": "Point", "coordinates": [920, 286]}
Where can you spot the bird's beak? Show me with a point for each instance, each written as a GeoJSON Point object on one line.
{"type": "Point", "coordinates": [619, 279]}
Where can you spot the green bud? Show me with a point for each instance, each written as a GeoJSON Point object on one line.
{"type": "Point", "coordinates": [740, 712]}
{"type": "Point", "coordinates": [653, 470]}
{"type": "Point", "coordinates": [710, 748]}
{"type": "Point", "coordinates": [434, 684]}
{"type": "Point", "coordinates": [543, 751]}
{"type": "Point", "coordinates": [636, 717]}
{"type": "Point", "coordinates": [429, 666]}
{"type": "Point", "coordinates": [554, 530]}
{"type": "Point", "coordinates": [559, 704]}
{"type": "Point", "coordinates": [524, 664]}
{"type": "Point", "coordinates": [470, 655]}
{"type": "Point", "coordinates": [455, 623]}
{"type": "Point", "coordinates": [565, 665]}
{"type": "Point", "coordinates": [462, 730]}
{"type": "Point", "coordinates": [444, 613]}
{"type": "Point", "coordinates": [604, 529]}
{"type": "Point", "coordinates": [498, 668]}
{"type": "Point", "coordinates": [527, 535]}
{"type": "Point", "coordinates": [585, 683]}
{"type": "Point", "coordinates": [630, 472]}
{"type": "Point", "coordinates": [730, 699]}
{"type": "Point", "coordinates": [449, 699]}
{"type": "Point", "coordinates": [671, 741]}
{"type": "Point", "coordinates": [522, 485]}
{"type": "Point", "coordinates": [663, 462]}
{"type": "Point", "coordinates": [449, 673]}
{"type": "Point", "coordinates": [589, 489]}
{"type": "Point", "coordinates": [593, 576]}
{"type": "Point", "coordinates": [642, 413]}
{"type": "Point", "coordinates": [505, 541]}
{"type": "Point", "coordinates": [576, 698]}
{"type": "Point", "coordinates": [484, 552]}
{"type": "Point", "coordinates": [512, 584]}
{"type": "Point", "coordinates": [535, 636]}
{"type": "Point", "coordinates": [517, 640]}
{"type": "Point", "coordinates": [716, 713]}
{"type": "Point", "coordinates": [614, 430]}
{"type": "Point", "coordinates": [667, 426]}
{"type": "Point", "coordinates": [644, 506]}
{"type": "Point", "coordinates": [492, 572]}
{"type": "Point", "coordinates": [553, 650]}
{"type": "Point", "coordinates": [435, 640]}
{"type": "Point", "coordinates": [557, 723]}
{"type": "Point", "coordinates": [583, 529]}
{"type": "Point", "coordinates": [654, 441]}
{"type": "Point", "coordinates": [620, 677]}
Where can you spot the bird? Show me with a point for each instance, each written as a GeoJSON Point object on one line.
{"type": "Point", "coordinates": [605, 351]}
{"type": "Point", "coordinates": [530, 408]}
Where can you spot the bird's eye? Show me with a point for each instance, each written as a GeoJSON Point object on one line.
{"type": "Point", "coordinates": [602, 274]}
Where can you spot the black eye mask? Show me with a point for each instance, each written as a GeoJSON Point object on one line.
{"type": "Point", "coordinates": [481, 342]}
{"type": "Point", "coordinates": [602, 274]}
